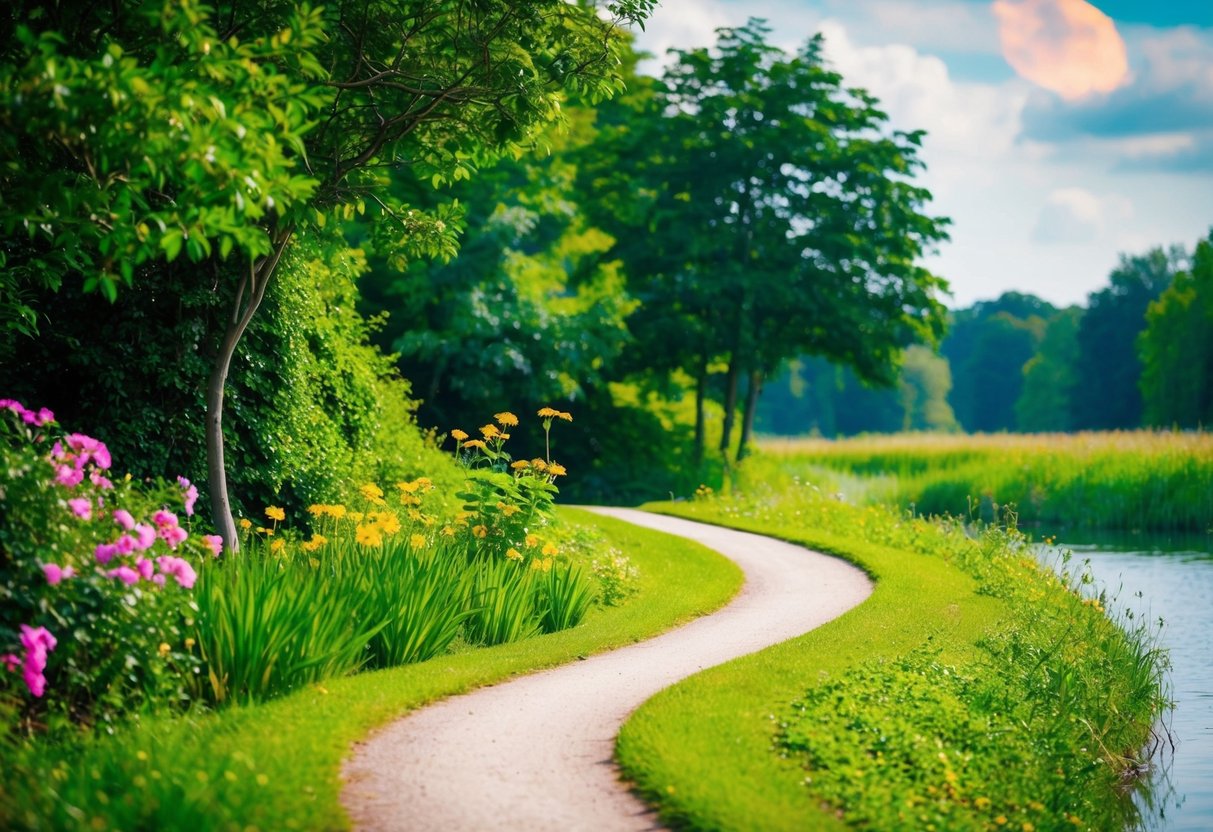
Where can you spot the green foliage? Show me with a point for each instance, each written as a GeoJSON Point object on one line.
{"type": "Point", "coordinates": [502, 604]}
{"type": "Point", "coordinates": [1176, 348]}
{"type": "Point", "coordinates": [103, 569]}
{"type": "Point", "coordinates": [566, 595]}
{"type": "Point", "coordinates": [1048, 376]}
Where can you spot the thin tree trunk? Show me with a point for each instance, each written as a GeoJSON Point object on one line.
{"type": "Point", "coordinates": [730, 406]}
{"type": "Point", "coordinates": [253, 285]}
{"type": "Point", "coordinates": [701, 393]}
{"type": "Point", "coordinates": [753, 391]}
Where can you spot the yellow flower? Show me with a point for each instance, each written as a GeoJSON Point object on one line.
{"type": "Point", "coordinates": [550, 549]}
{"type": "Point", "coordinates": [982, 803]}
{"type": "Point", "coordinates": [245, 523]}
{"type": "Point", "coordinates": [389, 523]}
{"type": "Point", "coordinates": [548, 413]}
{"type": "Point", "coordinates": [506, 419]}
{"type": "Point", "coordinates": [425, 482]}
{"type": "Point", "coordinates": [531, 541]}
{"type": "Point", "coordinates": [489, 431]}
{"type": "Point", "coordinates": [1028, 827]}
{"type": "Point", "coordinates": [337, 512]}
{"type": "Point", "coordinates": [355, 516]}
{"type": "Point", "coordinates": [317, 510]}
{"type": "Point", "coordinates": [475, 443]}
{"type": "Point", "coordinates": [373, 493]}
{"type": "Point", "coordinates": [568, 417]}
{"type": "Point", "coordinates": [409, 487]}
{"type": "Point", "coordinates": [458, 435]}
{"type": "Point", "coordinates": [507, 509]}
{"type": "Point", "coordinates": [189, 644]}
{"type": "Point", "coordinates": [539, 464]}
{"type": "Point", "coordinates": [275, 513]}
{"type": "Point", "coordinates": [409, 500]}
{"type": "Point", "coordinates": [417, 541]}
{"type": "Point", "coordinates": [277, 546]}
{"type": "Point", "coordinates": [448, 531]}
{"type": "Point", "coordinates": [480, 531]}
{"type": "Point", "coordinates": [556, 470]}
{"type": "Point", "coordinates": [164, 649]}
{"type": "Point", "coordinates": [513, 554]}
{"type": "Point", "coordinates": [520, 465]}
{"type": "Point", "coordinates": [415, 515]}
{"type": "Point", "coordinates": [368, 536]}
{"type": "Point", "coordinates": [315, 543]}
{"type": "Point", "coordinates": [263, 530]}
{"type": "Point", "coordinates": [1001, 820]}
{"type": "Point", "coordinates": [503, 436]}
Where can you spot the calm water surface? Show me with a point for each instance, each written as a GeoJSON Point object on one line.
{"type": "Point", "coordinates": [1175, 578]}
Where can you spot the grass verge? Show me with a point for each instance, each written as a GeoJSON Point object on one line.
{"type": "Point", "coordinates": [276, 765]}
{"type": "Point", "coordinates": [972, 690]}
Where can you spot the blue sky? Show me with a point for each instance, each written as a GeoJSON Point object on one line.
{"type": "Point", "coordinates": [1061, 133]}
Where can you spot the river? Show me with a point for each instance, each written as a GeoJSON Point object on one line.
{"type": "Point", "coordinates": [1175, 578]}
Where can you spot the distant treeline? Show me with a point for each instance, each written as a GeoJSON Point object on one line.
{"type": "Point", "coordinates": [1138, 354]}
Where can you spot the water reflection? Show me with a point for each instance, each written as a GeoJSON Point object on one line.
{"type": "Point", "coordinates": [1174, 575]}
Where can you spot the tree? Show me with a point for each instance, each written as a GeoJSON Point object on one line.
{"type": "Point", "coordinates": [134, 134]}
{"type": "Point", "coordinates": [923, 387]}
{"type": "Point", "coordinates": [1105, 394]}
{"type": "Point", "coordinates": [1176, 348]}
{"type": "Point", "coordinates": [1048, 376]}
{"type": "Point", "coordinates": [778, 217]}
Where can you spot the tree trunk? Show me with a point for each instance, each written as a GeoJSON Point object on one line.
{"type": "Point", "coordinates": [701, 393]}
{"type": "Point", "coordinates": [254, 285]}
{"type": "Point", "coordinates": [730, 406]}
{"type": "Point", "coordinates": [753, 390]}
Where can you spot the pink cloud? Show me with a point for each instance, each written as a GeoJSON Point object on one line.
{"type": "Point", "coordinates": [1067, 46]}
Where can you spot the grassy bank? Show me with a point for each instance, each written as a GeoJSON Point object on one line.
{"type": "Point", "coordinates": [1120, 480]}
{"type": "Point", "coordinates": [275, 765]}
{"type": "Point", "coordinates": [973, 690]}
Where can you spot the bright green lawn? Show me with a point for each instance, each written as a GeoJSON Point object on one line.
{"type": "Point", "coordinates": [275, 766]}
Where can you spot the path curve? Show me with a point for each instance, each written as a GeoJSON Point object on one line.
{"type": "Point", "coordinates": [536, 752]}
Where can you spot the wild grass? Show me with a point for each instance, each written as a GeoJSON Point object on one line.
{"type": "Point", "coordinates": [275, 765]}
{"type": "Point", "coordinates": [1134, 480]}
{"type": "Point", "coordinates": [974, 689]}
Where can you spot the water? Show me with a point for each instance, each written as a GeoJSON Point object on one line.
{"type": "Point", "coordinates": [1175, 578]}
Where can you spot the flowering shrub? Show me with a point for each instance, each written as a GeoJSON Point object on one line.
{"type": "Point", "coordinates": [95, 577]}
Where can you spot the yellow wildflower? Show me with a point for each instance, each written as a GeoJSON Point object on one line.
{"type": "Point", "coordinates": [277, 546]}
{"type": "Point", "coordinates": [425, 482]}
{"type": "Point", "coordinates": [164, 649]}
{"type": "Point", "coordinates": [458, 435]}
{"type": "Point", "coordinates": [520, 465]}
{"type": "Point", "coordinates": [490, 431]}
{"type": "Point", "coordinates": [245, 523]}
{"type": "Point", "coordinates": [373, 493]}
{"type": "Point", "coordinates": [315, 543]}
{"type": "Point", "coordinates": [568, 417]}
{"type": "Point", "coordinates": [475, 443]}
{"type": "Point", "coordinates": [189, 644]}
{"type": "Point", "coordinates": [337, 512]}
{"type": "Point", "coordinates": [368, 536]}
{"type": "Point", "coordinates": [539, 464]}
{"type": "Point", "coordinates": [556, 470]}
{"type": "Point", "coordinates": [317, 509]}
{"type": "Point", "coordinates": [410, 487]}
{"type": "Point", "coordinates": [550, 549]}
{"type": "Point", "coordinates": [1001, 820]}
{"type": "Point", "coordinates": [480, 531]}
{"type": "Point", "coordinates": [513, 554]}
{"type": "Point", "coordinates": [389, 523]}
{"type": "Point", "coordinates": [263, 530]}
{"type": "Point", "coordinates": [1028, 827]}
{"type": "Point", "coordinates": [355, 516]}
{"type": "Point", "coordinates": [548, 413]}
{"type": "Point", "coordinates": [506, 419]}
{"type": "Point", "coordinates": [531, 541]}
{"type": "Point", "coordinates": [503, 436]}
{"type": "Point", "coordinates": [448, 531]}
{"type": "Point", "coordinates": [415, 515]}
{"type": "Point", "coordinates": [275, 513]}
{"type": "Point", "coordinates": [417, 541]}
{"type": "Point", "coordinates": [507, 509]}
{"type": "Point", "coordinates": [982, 803]}
{"type": "Point", "coordinates": [409, 500]}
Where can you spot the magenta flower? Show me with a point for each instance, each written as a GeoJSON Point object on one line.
{"type": "Point", "coordinates": [158, 580]}
{"type": "Point", "coordinates": [37, 643]}
{"type": "Point", "coordinates": [100, 481]}
{"type": "Point", "coordinates": [55, 573]}
{"type": "Point", "coordinates": [81, 507]}
{"type": "Point", "coordinates": [215, 542]}
{"type": "Point", "coordinates": [146, 536]}
{"type": "Point", "coordinates": [11, 661]}
{"type": "Point", "coordinates": [179, 569]}
{"type": "Point", "coordinates": [105, 552]}
{"type": "Point", "coordinates": [174, 536]}
{"type": "Point", "coordinates": [145, 568]}
{"type": "Point", "coordinates": [125, 574]}
{"type": "Point", "coordinates": [125, 545]}
{"type": "Point", "coordinates": [68, 476]}
{"type": "Point", "coordinates": [123, 518]}
{"type": "Point", "coordinates": [164, 519]}
{"type": "Point", "coordinates": [191, 495]}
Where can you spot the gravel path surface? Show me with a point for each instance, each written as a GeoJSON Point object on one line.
{"type": "Point", "coordinates": [535, 753]}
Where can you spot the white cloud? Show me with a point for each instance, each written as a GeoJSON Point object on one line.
{"type": "Point", "coordinates": [1075, 215]}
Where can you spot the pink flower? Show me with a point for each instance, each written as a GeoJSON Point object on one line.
{"type": "Point", "coordinates": [100, 481]}
{"type": "Point", "coordinates": [68, 476]}
{"type": "Point", "coordinates": [55, 573]}
{"type": "Point", "coordinates": [191, 495]}
{"type": "Point", "coordinates": [147, 536]}
{"type": "Point", "coordinates": [11, 661]}
{"type": "Point", "coordinates": [145, 568]}
{"type": "Point", "coordinates": [81, 507]}
{"type": "Point", "coordinates": [179, 569]}
{"type": "Point", "coordinates": [105, 552]}
{"type": "Point", "coordinates": [215, 542]}
{"type": "Point", "coordinates": [125, 544]}
{"type": "Point", "coordinates": [174, 536]}
{"type": "Point", "coordinates": [123, 518]}
{"type": "Point", "coordinates": [37, 643]}
{"type": "Point", "coordinates": [124, 574]}
{"type": "Point", "coordinates": [164, 519]}
{"type": "Point", "coordinates": [44, 416]}
{"type": "Point", "coordinates": [89, 448]}
{"type": "Point", "coordinates": [158, 580]}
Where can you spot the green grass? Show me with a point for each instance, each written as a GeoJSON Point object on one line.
{"type": "Point", "coordinates": [1124, 480]}
{"type": "Point", "coordinates": [275, 765]}
{"type": "Point", "coordinates": [965, 649]}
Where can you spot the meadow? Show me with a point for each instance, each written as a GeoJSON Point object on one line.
{"type": "Point", "coordinates": [1130, 480]}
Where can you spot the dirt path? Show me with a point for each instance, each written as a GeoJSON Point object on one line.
{"type": "Point", "coordinates": [535, 753]}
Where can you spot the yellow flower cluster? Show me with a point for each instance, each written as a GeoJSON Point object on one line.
{"type": "Point", "coordinates": [553, 413]}
{"type": "Point", "coordinates": [275, 513]}
{"type": "Point", "coordinates": [323, 510]}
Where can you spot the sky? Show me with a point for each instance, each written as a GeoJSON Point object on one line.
{"type": "Point", "coordinates": [1061, 134]}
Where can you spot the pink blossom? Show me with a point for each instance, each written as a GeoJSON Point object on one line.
{"type": "Point", "coordinates": [123, 518]}
{"type": "Point", "coordinates": [105, 552]}
{"type": "Point", "coordinates": [37, 642]}
{"type": "Point", "coordinates": [81, 507]}
{"type": "Point", "coordinates": [164, 519]}
{"type": "Point", "coordinates": [158, 580]}
{"type": "Point", "coordinates": [100, 481]}
{"type": "Point", "coordinates": [215, 542]}
{"type": "Point", "coordinates": [145, 568]}
{"type": "Point", "coordinates": [174, 536]}
{"type": "Point", "coordinates": [179, 569]}
{"type": "Point", "coordinates": [11, 661]}
{"type": "Point", "coordinates": [191, 495]}
{"type": "Point", "coordinates": [45, 415]}
{"type": "Point", "coordinates": [124, 574]}
{"type": "Point", "coordinates": [55, 573]}
{"type": "Point", "coordinates": [125, 544]}
{"type": "Point", "coordinates": [68, 476]}
{"type": "Point", "coordinates": [147, 536]}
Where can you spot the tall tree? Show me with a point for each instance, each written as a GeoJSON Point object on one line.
{"type": "Point", "coordinates": [785, 218]}
{"type": "Point", "coordinates": [1177, 348]}
{"type": "Point", "coordinates": [1105, 394]}
{"type": "Point", "coordinates": [1048, 376]}
{"type": "Point", "coordinates": [137, 133]}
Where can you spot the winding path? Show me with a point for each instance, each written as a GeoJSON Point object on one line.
{"type": "Point", "coordinates": [535, 753]}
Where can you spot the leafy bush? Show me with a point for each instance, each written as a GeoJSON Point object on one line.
{"type": "Point", "coordinates": [566, 597]}
{"type": "Point", "coordinates": [95, 577]}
